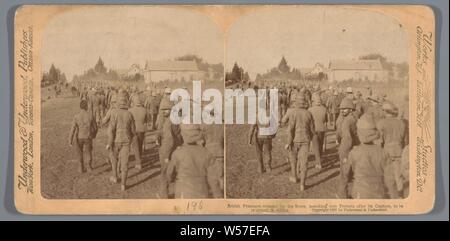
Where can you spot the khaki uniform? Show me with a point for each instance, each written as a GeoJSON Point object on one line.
{"type": "Point", "coordinates": [348, 138]}
{"type": "Point", "coordinates": [121, 131]}
{"type": "Point", "coordinates": [193, 165]}
{"type": "Point", "coordinates": [368, 163]}
{"type": "Point", "coordinates": [152, 106]}
{"type": "Point", "coordinates": [140, 119]}
{"type": "Point", "coordinates": [393, 136]}
{"type": "Point", "coordinates": [83, 131]}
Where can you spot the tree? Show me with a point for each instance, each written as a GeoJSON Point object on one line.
{"type": "Point", "coordinates": [283, 67]}
{"type": "Point", "coordinates": [246, 77]}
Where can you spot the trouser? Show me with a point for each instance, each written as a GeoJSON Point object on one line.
{"type": "Point", "coordinates": [391, 175]}
{"type": "Point", "coordinates": [264, 148]}
{"type": "Point", "coordinates": [215, 177]}
{"type": "Point", "coordinates": [121, 155]}
{"type": "Point", "coordinates": [299, 160]}
{"type": "Point", "coordinates": [137, 143]}
{"type": "Point", "coordinates": [84, 152]}
{"type": "Point", "coordinates": [345, 177]}
{"type": "Point", "coordinates": [317, 146]}
{"type": "Point", "coordinates": [97, 115]}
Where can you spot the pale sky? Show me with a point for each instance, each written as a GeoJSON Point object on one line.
{"type": "Point", "coordinates": [311, 34]}
{"type": "Point", "coordinates": [305, 35]}
{"type": "Point", "coordinates": [73, 41]}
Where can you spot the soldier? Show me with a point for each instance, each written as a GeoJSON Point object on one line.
{"type": "Point", "coordinates": [393, 139]}
{"type": "Point", "coordinates": [194, 165]}
{"type": "Point", "coordinates": [96, 106]}
{"type": "Point", "coordinates": [347, 137]}
{"type": "Point", "coordinates": [263, 146]}
{"type": "Point", "coordinates": [368, 162]}
{"type": "Point", "coordinates": [84, 94]}
{"type": "Point", "coordinates": [83, 131]}
{"type": "Point", "coordinates": [168, 137]}
{"type": "Point", "coordinates": [214, 143]}
{"type": "Point", "coordinates": [375, 108]}
{"type": "Point", "coordinates": [319, 114]}
{"type": "Point", "coordinates": [300, 132]}
{"type": "Point", "coordinates": [359, 104]}
{"type": "Point", "coordinates": [121, 132]}
{"type": "Point", "coordinates": [106, 121]}
{"type": "Point", "coordinates": [140, 120]}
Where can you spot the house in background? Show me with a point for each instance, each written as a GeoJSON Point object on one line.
{"type": "Point", "coordinates": [356, 70]}
{"type": "Point", "coordinates": [171, 70]}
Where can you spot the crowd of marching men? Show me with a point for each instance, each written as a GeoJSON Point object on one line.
{"type": "Point", "coordinates": [371, 137]}
{"type": "Point", "coordinates": [190, 156]}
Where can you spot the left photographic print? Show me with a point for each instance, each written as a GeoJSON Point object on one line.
{"type": "Point", "coordinates": [106, 77]}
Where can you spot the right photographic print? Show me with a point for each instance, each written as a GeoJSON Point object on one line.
{"type": "Point", "coordinates": [342, 76]}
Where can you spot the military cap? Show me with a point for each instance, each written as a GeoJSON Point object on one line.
{"type": "Point", "coordinates": [166, 104]}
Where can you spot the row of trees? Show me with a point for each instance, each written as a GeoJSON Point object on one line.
{"type": "Point", "coordinates": [53, 76]}
{"type": "Point", "coordinates": [283, 71]}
